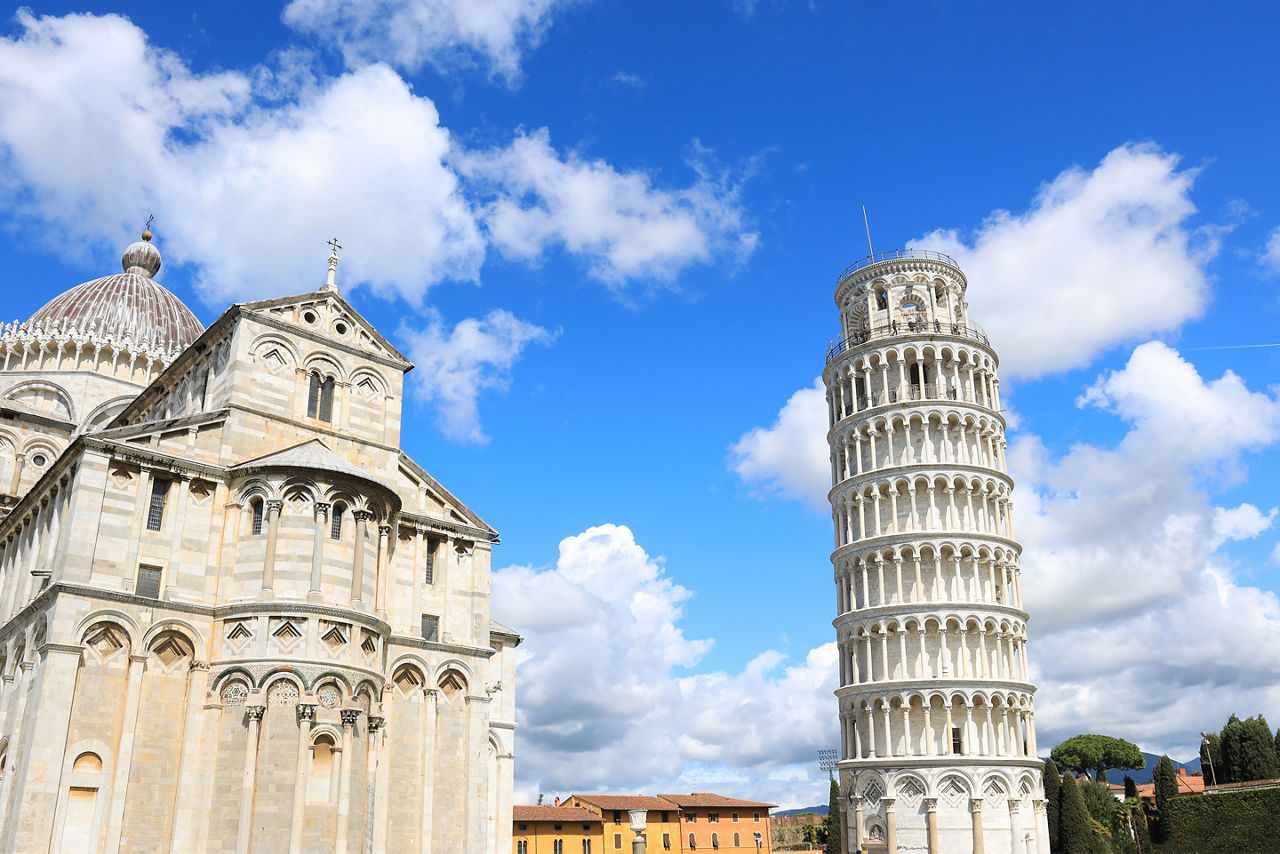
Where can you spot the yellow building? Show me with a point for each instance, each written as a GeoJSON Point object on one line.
{"type": "Point", "coordinates": [662, 821]}
{"type": "Point", "coordinates": [556, 830]}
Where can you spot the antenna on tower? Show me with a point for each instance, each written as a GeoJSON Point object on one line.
{"type": "Point", "coordinates": [868, 225]}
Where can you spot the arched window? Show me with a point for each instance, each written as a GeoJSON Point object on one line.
{"type": "Point", "coordinates": [557, 847]}
{"type": "Point", "coordinates": [255, 508]}
{"type": "Point", "coordinates": [320, 397]}
{"type": "Point", "coordinates": [737, 840]}
{"type": "Point", "coordinates": [335, 524]}
{"type": "Point", "coordinates": [693, 843]}
{"type": "Point", "coordinates": [715, 840]}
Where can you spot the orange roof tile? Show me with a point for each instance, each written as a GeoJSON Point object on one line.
{"type": "Point", "coordinates": [628, 802]}
{"type": "Point", "coordinates": [708, 799]}
{"type": "Point", "coordinates": [540, 812]}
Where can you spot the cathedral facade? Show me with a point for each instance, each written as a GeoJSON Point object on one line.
{"type": "Point", "coordinates": [234, 615]}
{"type": "Point", "coordinates": [937, 718]}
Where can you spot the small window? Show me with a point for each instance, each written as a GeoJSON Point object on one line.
{"type": "Point", "coordinates": [666, 841]}
{"type": "Point", "coordinates": [713, 817]}
{"type": "Point", "coordinates": [692, 842]}
{"type": "Point", "coordinates": [617, 818]}
{"type": "Point", "coordinates": [39, 460]}
{"type": "Point", "coordinates": [430, 574]}
{"type": "Point", "coordinates": [734, 818]}
{"type": "Point", "coordinates": [255, 506]}
{"type": "Point", "coordinates": [737, 840]}
{"type": "Point", "coordinates": [617, 841]}
{"type": "Point", "coordinates": [313, 395]}
{"type": "Point", "coordinates": [148, 581]}
{"type": "Point", "coordinates": [155, 513]}
{"type": "Point", "coordinates": [586, 846]}
{"type": "Point", "coordinates": [309, 316]}
{"type": "Point", "coordinates": [715, 840]}
{"type": "Point", "coordinates": [431, 632]}
{"type": "Point", "coordinates": [755, 817]}
{"type": "Point", "coordinates": [522, 847]}
{"type": "Point", "coordinates": [335, 524]}
{"type": "Point", "coordinates": [559, 826]}
{"type": "Point", "coordinates": [693, 817]}
{"type": "Point", "coordinates": [523, 826]}
{"type": "Point", "coordinates": [957, 741]}
{"type": "Point", "coordinates": [326, 399]}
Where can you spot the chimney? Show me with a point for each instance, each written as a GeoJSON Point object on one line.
{"type": "Point", "coordinates": [1182, 772]}
{"type": "Point", "coordinates": [557, 803]}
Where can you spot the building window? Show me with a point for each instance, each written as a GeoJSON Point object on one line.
{"type": "Point", "coordinates": [693, 817]}
{"type": "Point", "coordinates": [715, 840]}
{"type": "Point", "coordinates": [320, 397]}
{"type": "Point", "coordinates": [431, 631]}
{"type": "Point", "coordinates": [957, 741]}
{"type": "Point", "coordinates": [693, 843]}
{"type": "Point", "coordinates": [586, 846]}
{"type": "Point", "coordinates": [322, 782]}
{"type": "Point", "coordinates": [255, 506]}
{"type": "Point", "coordinates": [148, 581]}
{"type": "Point", "coordinates": [617, 817]}
{"type": "Point", "coordinates": [557, 847]}
{"type": "Point", "coordinates": [617, 841]}
{"type": "Point", "coordinates": [335, 524]}
{"type": "Point", "coordinates": [430, 573]}
{"type": "Point", "coordinates": [755, 817]}
{"type": "Point", "coordinates": [734, 817]}
{"type": "Point", "coordinates": [713, 817]}
{"type": "Point", "coordinates": [737, 840]}
{"type": "Point", "coordinates": [522, 847]}
{"type": "Point", "coordinates": [155, 513]}
{"type": "Point", "coordinates": [559, 826]}
{"type": "Point", "coordinates": [666, 841]}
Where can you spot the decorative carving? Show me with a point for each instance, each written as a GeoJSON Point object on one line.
{"type": "Point", "coordinates": [376, 723]}
{"type": "Point", "coordinates": [274, 506]}
{"type": "Point", "coordinates": [329, 695]}
{"type": "Point", "coordinates": [350, 716]}
{"type": "Point", "coordinates": [975, 805]}
{"type": "Point", "coordinates": [255, 712]}
{"type": "Point", "coordinates": [931, 804]}
{"type": "Point", "coordinates": [196, 664]}
{"type": "Point", "coordinates": [234, 693]}
{"type": "Point", "coordinates": [282, 693]}
{"type": "Point", "coordinates": [306, 712]}
{"type": "Point", "coordinates": [322, 509]}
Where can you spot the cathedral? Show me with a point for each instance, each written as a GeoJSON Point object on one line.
{"type": "Point", "coordinates": [234, 615]}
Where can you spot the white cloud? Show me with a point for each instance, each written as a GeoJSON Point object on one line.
{"type": "Point", "coordinates": [97, 128]}
{"type": "Point", "coordinates": [603, 703]}
{"type": "Point", "coordinates": [1101, 258]}
{"type": "Point", "coordinates": [414, 33]}
{"type": "Point", "coordinates": [1241, 523]}
{"type": "Point", "coordinates": [791, 457]}
{"type": "Point", "coordinates": [618, 222]}
{"type": "Point", "coordinates": [455, 365]}
{"type": "Point", "coordinates": [1271, 254]}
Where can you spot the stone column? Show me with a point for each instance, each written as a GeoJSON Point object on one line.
{"type": "Point", "coordinates": [428, 756]}
{"type": "Point", "coordinates": [187, 805]}
{"type": "Point", "coordinates": [306, 717]}
{"type": "Point", "coordinates": [244, 829]}
{"type": "Point", "coordinates": [1041, 841]}
{"type": "Point", "coordinates": [349, 718]}
{"type": "Point", "coordinates": [1013, 823]}
{"type": "Point", "coordinates": [180, 502]}
{"type": "Point", "coordinates": [377, 774]}
{"type": "Point", "coordinates": [975, 811]}
{"type": "Point", "coordinates": [383, 580]}
{"type": "Point", "coordinates": [890, 825]}
{"type": "Point", "coordinates": [124, 755]}
{"type": "Point", "coordinates": [141, 508]}
{"type": "Point", "coordinates": [857, 822]}
{"type": "Point", "coordinates": [931, 822]}
{"type": "Point", "coordinates": [273, 530]}
{"type": "Point", "coordinates": [361, 518]}
{"type": "Point", "coordinates": [317, 548]}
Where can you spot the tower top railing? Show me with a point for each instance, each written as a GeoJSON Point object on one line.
{"type": "Point", "coordinates": [894, 255]}
{"type": "Point", "coordinates": [966, 329]}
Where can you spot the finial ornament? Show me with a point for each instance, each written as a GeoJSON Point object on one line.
{"type": "Point", "coordinates": [330, 283]}
{"type": "Point", "coordinates": [146, 229]}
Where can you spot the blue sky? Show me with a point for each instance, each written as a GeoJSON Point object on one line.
{"type": "Point", "coordinates": [608, 234]}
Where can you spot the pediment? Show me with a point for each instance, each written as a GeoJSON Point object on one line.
{"type": "Point", "coordinates": [326, 316]}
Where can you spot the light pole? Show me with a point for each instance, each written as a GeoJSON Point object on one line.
{"type": "Point", "coordinates": [1208, 751]}
{"type": "Point", "coordinates": [827, 760]}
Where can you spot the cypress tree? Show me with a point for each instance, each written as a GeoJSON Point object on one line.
{"type": "Point", "coordinates": [1257, 751]}
{"type": "Point", "coordinates": [1130, 788]}
{"type": "Point", "coordinates": [1075, 829]}
{"type": "Point", "coordinates": [1227, 741]}
{"type": "Point", "coordinates": [1052, 798]}
{"type": "Point", "coordinates": [1277, 743]}
{"type": "Point", "coordinates": [1166, 789]}
{"type": "Point", "coordinates": [835, 827]}
{"type": "Point", "coordinates": [1122, 835]}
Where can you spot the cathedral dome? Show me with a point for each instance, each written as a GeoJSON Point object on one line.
{"type": "Point", "coordinates": [125, 306]}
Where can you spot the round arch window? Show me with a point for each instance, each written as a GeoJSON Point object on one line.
{"type": "Point", "coordinates": [39, 460]}
{"type": "Point", "coordinates": [309, 316]}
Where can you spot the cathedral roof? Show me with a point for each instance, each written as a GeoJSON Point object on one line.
{"type": "Point", "coordinates": [128, 306]}
{"type": "Point", "coordinates": [312, 454]}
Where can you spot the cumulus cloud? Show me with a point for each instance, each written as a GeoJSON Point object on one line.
{"type": "Point", "coordinates": [1101, 258]}
{"type": "Point", "coordinates": [619, 223]}
{"type": "Point", "coordinates": [97, 127]}
{"type": "Point", "coordinates": [604, 702]}
{"type": "Point", "coordinates": [789, 458]}
{"type": "Point", "coordinates": [1271, 252]}
{"type": "Point", "coordinates": [442, 33]}
{"type": "Point", "coordinates": [455, 365]}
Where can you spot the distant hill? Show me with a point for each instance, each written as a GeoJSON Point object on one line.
{"type": "Point", "coordinates": [818, 810]}
{"type": "Point", "coordinates": [1116, 775]}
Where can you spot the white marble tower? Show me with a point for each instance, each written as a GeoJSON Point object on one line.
{"type": "Point", "coordinates": [937, 725]}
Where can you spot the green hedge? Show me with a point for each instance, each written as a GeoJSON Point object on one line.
{"type": "Point", "coordinates": [1225, 823]}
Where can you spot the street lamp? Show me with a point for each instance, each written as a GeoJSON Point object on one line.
{"type": "Point", "coordinates": [1208, 751]}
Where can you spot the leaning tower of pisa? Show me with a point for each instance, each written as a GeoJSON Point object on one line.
{"type": "Point", "coordinates": [936, 717]}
